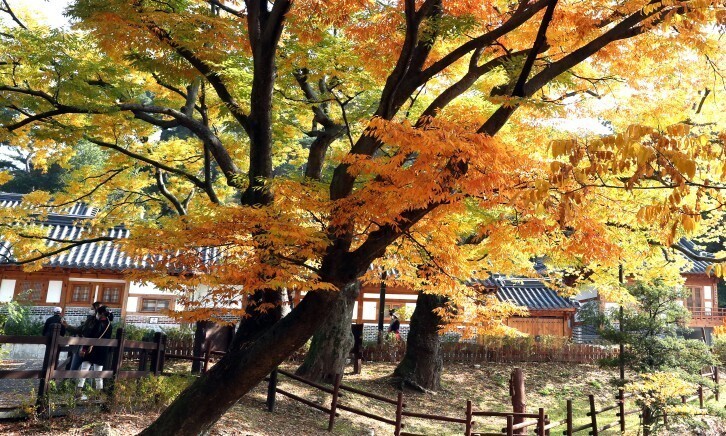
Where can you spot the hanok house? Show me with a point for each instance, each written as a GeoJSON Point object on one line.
{"type": "Point", "coordinates": [85, 273]}
{"type": "Point", "coordinates": [702, 300]}
{"type": "Point", "coordinates": [703, 289]}
{"type": "Point", "coordinates": [549, 313]}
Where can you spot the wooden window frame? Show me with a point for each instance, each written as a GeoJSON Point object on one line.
{"type": "Point", "coordinates": [43, 291]}
{"type": "Point", "coordinates": [102, 294]}
{"type": "Point", "coordinates": [169, 307]}
{"type": "Point", "coordinates": [91, 294]}
{"type": "Point", "coordinates": [699, 305]}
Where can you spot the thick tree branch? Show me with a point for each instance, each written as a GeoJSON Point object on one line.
{"type": "Point", "coordinates": [517, 19]}
{"type": "Point", "coordinates": [212, 76]}
{"type": "Point", "coordinates": [539, 42]}
{"type": "Point", "coordinates": [203, 132]}
{"type": "Point", "coordinates": [623, 30]}
{"type": "Point", "coordinates": [462, 85]}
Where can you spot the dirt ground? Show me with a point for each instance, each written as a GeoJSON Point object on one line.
{"type": "Point", "coordinates": [548, 385]}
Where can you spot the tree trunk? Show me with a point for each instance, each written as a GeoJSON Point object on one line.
{"type": "Point", "coordinates": [332, 342]}
{"type": "Point", "coordinates": [211, 395]}
{"type": "Point", "coordinates": [422, 364]}
{"type": "Point", "coordinates": [254, 323]}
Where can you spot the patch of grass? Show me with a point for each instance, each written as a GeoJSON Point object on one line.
{"type": "Point", "coordinates": [546, 391]}
{"type": "Point", "coordinates": [595, 384]}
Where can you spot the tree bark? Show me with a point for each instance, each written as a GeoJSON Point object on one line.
{"type": "Point", "coordinates": [422, 364]}
{"type": "Point", "coordinates": [254, 323]}
{"type": "Point", "coordinates": [198, 407]}
{"type": "Point", "coordinates": [332, 342]}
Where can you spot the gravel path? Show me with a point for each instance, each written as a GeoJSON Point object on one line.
{"type": "Point", "coordinates": [13, 392]}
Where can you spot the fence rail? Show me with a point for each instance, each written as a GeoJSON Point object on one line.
{"type": "Point", "coordinates": [152, 352]}
{"type": "Point", "coordinates": [538, 422]}
{"type": "Point", "coordinates": [511, 353]}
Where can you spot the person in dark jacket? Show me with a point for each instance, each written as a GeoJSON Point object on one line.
{"type": "Point", "coordinates": [95, 356]}
{"type": "Point", "coordinates": [53, 320]}
{"type": "Point", "coordinates": [79, 331]}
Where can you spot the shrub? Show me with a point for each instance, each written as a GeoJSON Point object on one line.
{"type": "Point", "coordinates": [136, 333]}
{"type": "Point", "coordinates": [652, 330]}
{"type": "Point", "coordinates": [149, 393]}
{"type": "Point", "coordinates": [660, 393]}
{"type": "Point", "coordinates": [19, 321]}
{"type": "Point", "coordinates": [719, 343]}
{"type": "Point", "coordinates": [183, 333]}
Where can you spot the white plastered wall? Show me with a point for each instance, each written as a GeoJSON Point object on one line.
{"type": "Point", "coordinates": [7, 289]}
{"type": "Point", "coordinates": [55, 288]}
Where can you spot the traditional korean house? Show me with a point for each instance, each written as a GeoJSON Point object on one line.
{"type": "Point", "coordinates": [702, 300]}
{"type": "Point", "coordinates": [703, 288]}
{"type": "Point", "coordinates": [549, 313]}
{"type": "Point", "coordinates": [75, 278]}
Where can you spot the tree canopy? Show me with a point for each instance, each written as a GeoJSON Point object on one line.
{"type": "Point", "coordinates": [313, 138]}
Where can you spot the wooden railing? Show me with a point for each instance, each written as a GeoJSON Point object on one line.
{"type": "Point", "coordinates": [707, 317]}
{"type": "Point", "coordinates": [152, 352]}
{"type": "Point", "coordinates": [461, 352]}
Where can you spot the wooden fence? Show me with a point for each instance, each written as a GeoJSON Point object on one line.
{"type": "Point", "coordinates": [515, 422]}
{"type": "Point", "coordinates": [462, 352]}
{"type": "Point", "coordinates": [152, 352]}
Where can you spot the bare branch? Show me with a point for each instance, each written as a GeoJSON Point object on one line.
{"type": "Point", "coordinates": [6, 8]}
{"type": "Point", "coordinates": [168, 195]}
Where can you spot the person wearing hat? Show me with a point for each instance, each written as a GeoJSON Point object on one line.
{"type": "Point", "coordinates": [54, 319]}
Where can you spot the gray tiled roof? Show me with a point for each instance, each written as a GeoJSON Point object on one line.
{"type": "Point", "coordinates": [695, 266]}
{"type": "Point", "coordinates": [67, 224]}
{"type": "Point", "coordinates": [530, 293]}
{"type": "Point", "coordinates": [76, 210]}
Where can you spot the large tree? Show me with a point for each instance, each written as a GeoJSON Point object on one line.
{"type": "Point", "coordinates": [411, 145]}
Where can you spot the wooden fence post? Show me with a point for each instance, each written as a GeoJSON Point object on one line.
{"type": "Point", "coordinates": [510, 423]}
{"type": "Point", "coordinates": [157, 357]}
{"type": "Point", "coordinates": [143, 359]}
{"type": "Point", "coordinates": [540, 422]}
{"type": "Point", "coordinates": [467, 431]}
{"type": "Point", "coordinates": [200, 334]}
{"type": "Point", "coordinates": [568, 431]}
{"type": "Point", "coordinates": [399, 414]}
{"type": "Point", "coordinates": [49, 361]}
{"type": "Point", "coordinates": [593, 414]}
{"type": "Point", "coordinates": [519, 400]}
{"type": "Point", "coordinates": [334, 401]}
{"type": "Point", "coordinates": [621, 409]}
{"type": "Point", "coordinates": [118, 358]}
{"type": "Point", "coordinates": [700, 396]}
{"type": "Point", "coordinates": [271, 390]}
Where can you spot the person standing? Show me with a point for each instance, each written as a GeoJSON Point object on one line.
{"type": "Point", "coordinates": [53, 320]}
{"type": "Point", "coordinates": [81, 331]}
{"type": "Point", "coordinates": [94, 357]}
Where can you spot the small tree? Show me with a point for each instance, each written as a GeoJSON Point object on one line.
{"type": "Point", "coordinates": [653, 330]}
{"type": "Point", "coordinates": [659, 394]}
